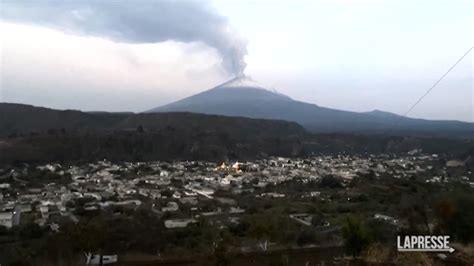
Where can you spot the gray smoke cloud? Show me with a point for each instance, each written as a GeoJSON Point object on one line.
{"type": "Point", "coordinates": [144, 21]}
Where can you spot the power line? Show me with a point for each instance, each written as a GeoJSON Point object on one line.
{"type": "Point", "coordinates": [429, 90]}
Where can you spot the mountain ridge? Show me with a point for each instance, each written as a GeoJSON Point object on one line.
{"type": "Point", "coordinates": [244, 97]}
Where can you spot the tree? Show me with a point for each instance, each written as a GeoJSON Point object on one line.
{"type": "Point", "coordinates": [306, 237]}
{"type": "Point", "coordinates": [260, 232]}
{"type": "Point", "coordinates": [413, 209]}
{"type": "Point", "coordinates": [356, 237]}
{"type": "Point", "coordinates": [382, 231]}
{"type": "Point", "coordinates": [3, 230]}
{"type": "Point", "coordinates": [220, 255]}
{"type": "Point", "coordinates": [318, 219]}
{"type": "Point", "coordinates": [330, 182]}
{"type": "Point", "coordinates": [283, 261]}
{"type": "Point", "coordinates": [20, 256]}
{"type": "Point", "coordinates": [30, 231]}
{"type": "Point", "coordinates": [239, 229]}
{"type": "Point", "coordinates": [456, 216]}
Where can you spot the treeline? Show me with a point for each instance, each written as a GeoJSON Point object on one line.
{"type": "Point", "coordinates": [142, 145]}
{"type": "Point", "coordinates": [202, 143]}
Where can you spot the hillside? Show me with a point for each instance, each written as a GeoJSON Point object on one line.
{"type": "Point", "coordinates": [236, 126]}
{"type": "Point", "coordinates": [24, 119]}
{"type": "Point", "coordinates": [51, 135]}
{"type": "Point", "coordinates": [21, 119]}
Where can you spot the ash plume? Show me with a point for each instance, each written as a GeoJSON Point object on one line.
{"type": "Point", "coordinates": [146, 21]}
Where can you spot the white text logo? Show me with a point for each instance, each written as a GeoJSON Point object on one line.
{"type": "Point", "coordinates": [424, 243]}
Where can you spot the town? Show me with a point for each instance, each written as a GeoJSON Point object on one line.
{"type": "Point", "coordinates": [312, 195]}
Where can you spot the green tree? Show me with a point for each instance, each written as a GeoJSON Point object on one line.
{"type": "Point", "coordinates": [261, 232]}
{"type": "Point", "coordinates": [456, 216]}
{"type": "Point", "coordinates": [305, 237]}
{"type": "Point", "coordinates": [356, 236]}
{"type": "Point", "coordinates": [220, 255]}
{"type": "Point", "coordinates": [30, 230]}
{"type": "Point", "coordinates": [382, 231]}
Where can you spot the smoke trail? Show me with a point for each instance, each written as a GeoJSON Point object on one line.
{"type": "Point", "coordinates": [144, 21]}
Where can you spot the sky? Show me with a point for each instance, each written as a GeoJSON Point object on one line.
{"type": "Point", "coordinates": [113, 55]}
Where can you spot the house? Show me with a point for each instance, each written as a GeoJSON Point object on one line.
{"type": "Point", "coordinates": [386, 218]}
{"type": "Point", "coordinates": [4, 186]}
{"type": "Point", "coordinates": [44, 210]}
{"type": "Point", "coordinates": [237, 210]}
{"type": "Point", "coordinates": [6, 219]}
{"type": "Point", "coordinates": [189, 200]}
{"type": "Point", "coordinates": [455, 163]}
{"type": "Point", "coordinates": [170, 207]}
{"type": "Point", "coordinates": [272, 195]}
{"type": "Point", "coordinates": [190, 193]}
{"type": "Point", "coordinates": [178, 223]}
{"type": "Point", "coordinates": [203, 191]}
{"type": "Point", "coordinates": [302, 218]}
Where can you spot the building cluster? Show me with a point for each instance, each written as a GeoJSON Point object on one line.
{"type": "Point", "coordinates": [184, 190]}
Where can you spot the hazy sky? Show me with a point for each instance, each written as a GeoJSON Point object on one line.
{"type": "Point", "coordinates": [134, 55]}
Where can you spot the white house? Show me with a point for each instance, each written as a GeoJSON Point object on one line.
{"type": "Point", "coordinates": [178, 223]}
{"type": "Point", "coordinates": [170, 207]}
{"type": "Point", "coordinates": [6, 219]}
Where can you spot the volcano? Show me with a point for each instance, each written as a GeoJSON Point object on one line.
{"type": "Point", "coordinates": [244, 97]}
{"type": "Point", "coordinates": [240, 96]}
